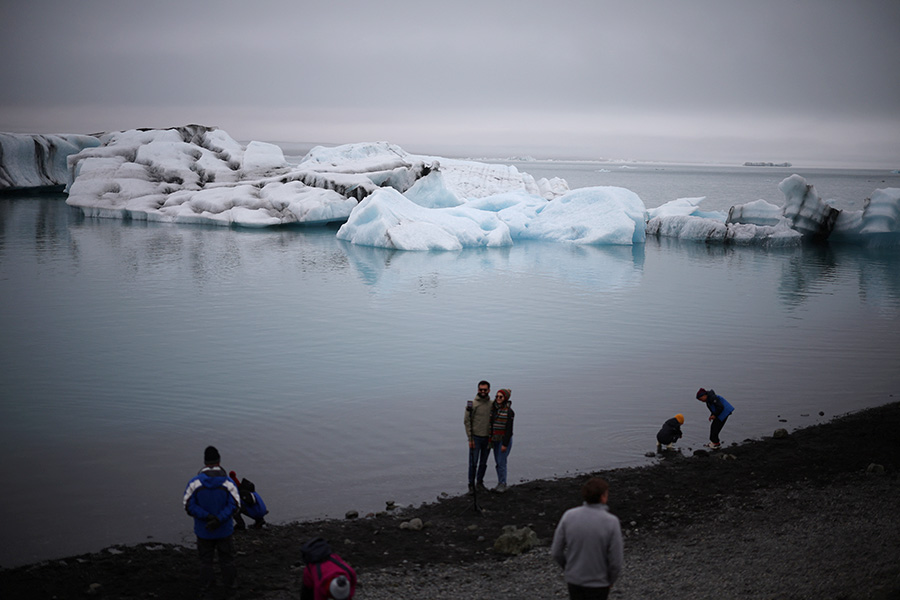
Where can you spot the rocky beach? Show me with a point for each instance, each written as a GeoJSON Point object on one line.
{"type": "Point", "coordinates": [812, 514]}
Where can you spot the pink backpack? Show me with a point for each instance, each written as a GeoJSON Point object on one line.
{"type": "Point", "coordinates": [324, 570]}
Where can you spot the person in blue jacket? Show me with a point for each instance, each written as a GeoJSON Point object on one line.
{"type": "Point", "coordinates": [252, 503]}
{"type": "Point", "coordinates": [719, 409]}
{"type": "Point", "coordinates": [212, 498]}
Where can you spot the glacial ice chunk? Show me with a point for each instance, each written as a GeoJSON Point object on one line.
{"type": "Point", "coordinates": [805, 210]}
{"type": "Point", "coordinates": [35, 161]}
{"type": "Point", "coordinates": [195, 174]}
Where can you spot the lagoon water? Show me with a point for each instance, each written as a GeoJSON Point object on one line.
{"type": "Point", "coordinates": [336, 376]}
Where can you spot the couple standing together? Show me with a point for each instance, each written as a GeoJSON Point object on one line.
{"type": "Point", "coordinates": [489, 425]}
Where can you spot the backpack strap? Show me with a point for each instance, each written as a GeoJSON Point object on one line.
{"type": "Point", "coordinates": [346, 569]}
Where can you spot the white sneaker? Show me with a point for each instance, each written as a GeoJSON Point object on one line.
{"type": "Point", "coordinates": [500, 488]}
{"type": "Point", "coordinates": [714, 445]}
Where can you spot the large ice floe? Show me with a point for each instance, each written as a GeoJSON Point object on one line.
{"type": "Point", "coordinates": [38, 161]}
{"type": "Point", "coordinates": [804, 217]}
{"type": "Point", "coordinates": [385, 197]}
{"type": "Point", "coordinates": [196, 174]}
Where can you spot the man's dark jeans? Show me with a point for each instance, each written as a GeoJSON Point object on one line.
{"type": "Point", "coordinates": [478, 457]}
{"type": "Point", "coordinates": [579, 592]}
{"type": "Point", "coordinates": [207, 550]}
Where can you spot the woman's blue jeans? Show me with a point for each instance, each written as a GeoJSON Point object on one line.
{"type": "Point", "coordinates": [500, 460]}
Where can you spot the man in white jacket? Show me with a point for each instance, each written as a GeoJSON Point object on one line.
{"type": "Point", "coordinates": [587, 544]}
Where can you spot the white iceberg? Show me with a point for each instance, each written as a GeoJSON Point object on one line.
{"type": "Point", "coordinates": [756, 223]}
{"type": "Point", "coordinates": [430, 217]}
{"type": "Point", "coordinates": [758, 212]}
{"type": "Point", "coordinates": [195, 174]}
{"type": "Point", "coordinates": [804, 216]}
{"type": "Point", "coordinates": [878, 221]}
{"type": "Point", "coordinates": [805, 210]}
{"type": "Point", "coordinates": [36, 161]}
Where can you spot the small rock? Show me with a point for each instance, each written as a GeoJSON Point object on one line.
{"type": "Point", "coordinates": [351, 514]}
{"type": "Point", "coordinates": [415, 524]}
{"type": "Point", "coordinates": [780, 433]}
{"type": "Point", "coordinates": [94, 589]}
{"type": "Point", "coordinates": [875, 469]}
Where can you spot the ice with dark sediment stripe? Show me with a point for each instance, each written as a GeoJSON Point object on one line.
{"type": "Point", "coordinates": [38, 160]}
{"type": "Point", "coordinates": [806, 211]}
{"type": "Point", "coordinates": [803, 217]}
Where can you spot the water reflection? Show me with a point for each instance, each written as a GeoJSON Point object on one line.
{"type": "Point", "coordinates": [591, 268]}
{"type": "Point", "coordinates": [808, 271]}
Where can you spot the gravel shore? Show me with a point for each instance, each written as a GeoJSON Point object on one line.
{"type": "Point", "coordinates": [810, 515]}
{"type": "Point", "coordinates": [802, 542]}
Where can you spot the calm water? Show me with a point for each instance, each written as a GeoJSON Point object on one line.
{"type": "Point", "coordinates": [336, 376]}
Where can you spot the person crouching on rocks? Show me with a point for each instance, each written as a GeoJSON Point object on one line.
{"type": "Point", "coordinates": [669, 433]}
{"type": "Point", "coordinates": [719, 409]}
{"type": "Point", "coordinates": [502, 416]}
{"type": "Point", "coordinates": [252, 504]}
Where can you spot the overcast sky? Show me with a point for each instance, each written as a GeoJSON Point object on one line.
{"type": "Point", "coordinates": [808, 81]}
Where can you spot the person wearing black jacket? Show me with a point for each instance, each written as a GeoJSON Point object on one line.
{"type": "Point", "coordinates": [670, 432]}
{"type": "Point", "coordinates": [502, 416]}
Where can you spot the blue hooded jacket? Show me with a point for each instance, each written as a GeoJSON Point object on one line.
{"type": "Point", "coordinates": [212, 492]}
{"type": "Point", "coordinates": [718, 406]}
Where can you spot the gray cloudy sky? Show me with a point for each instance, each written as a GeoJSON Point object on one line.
{"type": "Point", "coordinates": [806, 81]}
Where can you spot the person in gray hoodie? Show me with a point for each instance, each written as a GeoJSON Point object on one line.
{"type": "Point", "coordinates": [587, 544]}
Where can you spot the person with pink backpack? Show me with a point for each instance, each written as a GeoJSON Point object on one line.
{"type": "Point", "coordinates": [326, 576]}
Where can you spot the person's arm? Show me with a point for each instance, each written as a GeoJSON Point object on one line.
{"type": "Point", "coordinates": [467, 422]}
{"type": "Point", "coordinates": [191, 506]}
{"type": "Point", "coordinates": [507, 435]}
{"type": "Point", "coordinates": [306, 590]}
{"type": "Point", "coordinates": [233, 505]}
{"type": "Point", "coordinates": [558, 547]}
{"type": "Point", "coordinates": [615, 556]}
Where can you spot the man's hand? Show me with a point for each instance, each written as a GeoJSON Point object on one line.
{"type": "Point", "coordinates": [711, 417]}
{"type": "Point", "coordinates": [471, 444]}
{"type": "Point", "coordinates": [212, 522]}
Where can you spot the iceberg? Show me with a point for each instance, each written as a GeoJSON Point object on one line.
{"type": "Point", "coordinates": [386, 197]}
{"type": "Point", "coordinates": [757, 223]}
{"type": "Point", "coordinates": [878, 221]}
{"type": "Point", "coordinates": [196, 174]}
{"type": "Point", "coordinates": [805, 210]}
{"type": "Point", "coordinates": [431, 217]}
{"type": "Point", "coordinates": [38, 161]}
{"type": "Point", "coordinates": [804, 217]}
